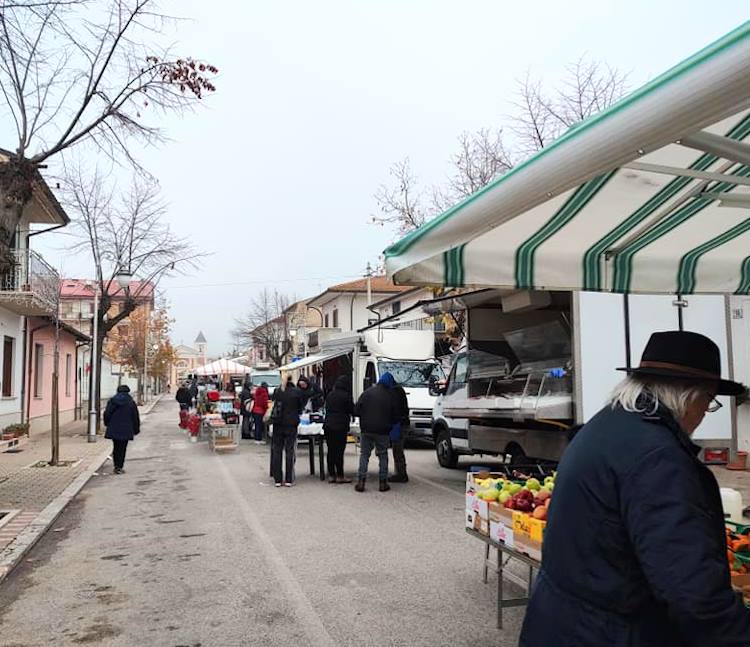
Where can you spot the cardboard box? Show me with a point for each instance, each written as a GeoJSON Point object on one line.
{"type": "Point", "coordinates": [536, 529]}
{"type": "Point", "coordinates": [477, 510]}
{"type": "Point", "coordinates": [514, 528]}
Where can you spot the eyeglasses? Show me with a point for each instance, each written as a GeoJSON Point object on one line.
{"type": "Point", "coordinates": [714, 406]}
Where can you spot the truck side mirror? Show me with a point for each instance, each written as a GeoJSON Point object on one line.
{"type": "Point", "coordinates": [437, 387]}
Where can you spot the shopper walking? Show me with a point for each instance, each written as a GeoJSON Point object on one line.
{"type": "Point", "coordinates": [260, 406]}
{"type": "Point", "coordinates": [288, 405]}
{"type": "Point", "coordinates": [123, 424]}
{"type": "Point", "coordinates": [184, 399]}
{"type": "Point", "coordinates": [634, 548]}
{"type": "Point", "coordinates": [398, 434]}
{"type": "Point", "coordinates": [339, 410]}
{"type": "Point", "coordinates": [377, 414]}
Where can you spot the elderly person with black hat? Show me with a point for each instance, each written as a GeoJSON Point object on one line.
{"type": "Point", "coordinates": [634, 549]}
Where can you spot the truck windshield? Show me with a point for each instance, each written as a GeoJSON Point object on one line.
{"type": "Point", "coordinates": [272, 379]}
{"type": "Point", "coordinates": [412, 374]}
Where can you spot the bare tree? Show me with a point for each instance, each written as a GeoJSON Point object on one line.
{"type": "Point", "coordinates": [124, 232]}
{"type": "Point", "coordinates": [540, 117]}
{"type": "Point", "coordinates": [588, 87]}
{"type": "Point", "coordinates": [267, 325]}
{"type": "Point", "coordinates": [481, 157]}
{"type": "Point", "coordinates": [74, 72]}
{"type": "Point", "coordinates": [401, 202]}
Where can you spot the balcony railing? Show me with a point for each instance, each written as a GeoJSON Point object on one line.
{"type": "Point", "coordinates": [32, 285]}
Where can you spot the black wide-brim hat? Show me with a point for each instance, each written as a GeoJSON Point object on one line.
{"type": "Point", "coordinates": [687, 356]}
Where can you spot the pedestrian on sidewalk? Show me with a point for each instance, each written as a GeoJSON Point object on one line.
{"type": "Point", "coordinates": [289, 403]}
{"type": "Point", "coordinates": [339, 411]}
{"type": "Point", "coordinates": [260, 406]}
{"type": "Point", "coordinates": [123, 424]}
{"type": "Point", "coordinates": [377, 415]}
{"type": "Point", "coordinates": [184, 399]}
{"type": "Point", "coordinates": [398, 434]}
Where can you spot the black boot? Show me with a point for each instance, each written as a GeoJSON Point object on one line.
{"type": "Point", "coordinates": [360, 487]}
{"type": "Point", "coordinates": [384, 487]}
{"type": "Point", "coordinates": [399, 478]}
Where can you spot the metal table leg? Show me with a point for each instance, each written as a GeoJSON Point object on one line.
{"type": "Point", "coordinates": [486, 562]}
{"type": "Point", "coordinates": [499, 588]}
{"type": "Point", "coordinates": [310, 442]}
{"type": "Point", "coordinates": [321, 463]}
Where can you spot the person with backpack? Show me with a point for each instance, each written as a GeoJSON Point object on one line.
{"type": "Point", "coordinates": [288, 404]}
{"type": "Point", "coordinates": [260, 406]}
{"type": "Point", "coordinates": [339, 410]}
{"type": "Point", "coordinates": [123, 424]}
{"type": "Point", "coordinates": [377, 414]}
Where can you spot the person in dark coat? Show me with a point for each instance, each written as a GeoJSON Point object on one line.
{"type": "Point", "coordinates": [377, 414]}
{"type": "Point", "coordinates": [289, 403]}
{"type": "Point", "coordinates": [246, 404]}
{"type": "Point", "coordinates": [398, 434]}
{"type": "Point", "coordinates": [634, 549]}
{"type": "Point", "coordinates": [123, 424]}
{"type": "Point", "coordinates": [193, 388]}
{"type": "Point", "coordinates": [183, 396]}
{"type": "Point", "coordinates": [311, 393]}
{"type": "Point", "coordinates": [339, 411]}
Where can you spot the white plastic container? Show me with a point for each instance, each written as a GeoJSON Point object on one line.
{"type": "Point", "coordinates": [731, 501]}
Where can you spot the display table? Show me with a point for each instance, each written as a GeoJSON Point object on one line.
{"type": "Point", "coordinates": [313, 433]}
{"type": "Point", "coordinates": [502, 549]}
{"type": "Point", "coordinates": [222, 437]}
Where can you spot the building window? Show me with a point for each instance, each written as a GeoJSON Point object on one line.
{"type": "Point", "coordinates": [335, 318]}
{"type": "Point", "coordinates": [38, 369]}
{"type": "Point", "coordinates": [396, 307]}
{"type": "Point", "coordinates": [68, 374]}
{"type": "Point", "coordinates": [325, 325]}
{"type": "Point", "coordinates": [7, 367]}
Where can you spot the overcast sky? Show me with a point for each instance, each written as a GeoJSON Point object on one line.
{"type": "Point", "coordinates": [275, 174]}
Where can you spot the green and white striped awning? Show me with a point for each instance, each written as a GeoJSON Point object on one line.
{"type": "Point", "coordinates": [652, 195]}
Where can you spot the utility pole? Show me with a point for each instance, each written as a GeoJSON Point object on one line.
{"type": "Point", "coordinates": [91, 436]}
{"type": "Point", "coordinates": [369, 284]}
{"type": "Point", "coordinates": [55, 413]}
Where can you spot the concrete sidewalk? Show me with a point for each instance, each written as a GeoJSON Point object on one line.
{"type": "Point", "coordinates": [33, 494]}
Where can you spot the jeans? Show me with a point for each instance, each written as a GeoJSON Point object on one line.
{"type": "Point", "coordinates": [258, 426]}
{"type": "Point", "coordinates": [380, 444]}
{"type": "Point", "coordinates": [283, 443]}
{"type": "Point", "coordinates": [336, 441]}
{"type": "Point", "coordinates": [119, 447]}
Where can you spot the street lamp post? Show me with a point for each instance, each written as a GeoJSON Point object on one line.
{"type": "Point", "coordinates": [123, 280]}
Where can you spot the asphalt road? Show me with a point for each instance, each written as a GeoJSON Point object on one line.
{"type": "Point", "coordinates": [189, 548]}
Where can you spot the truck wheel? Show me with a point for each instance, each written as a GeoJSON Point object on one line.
{"type": "Point", "coordinates": [446, 456]}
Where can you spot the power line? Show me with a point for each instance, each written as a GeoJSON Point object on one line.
{"type": "Point", "coordinates": [269, 281]}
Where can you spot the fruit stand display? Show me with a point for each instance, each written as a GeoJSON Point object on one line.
{"type": "Point", "coordinates": [509, 513]}
{"type": "Point", "coordinates": [738, 555]}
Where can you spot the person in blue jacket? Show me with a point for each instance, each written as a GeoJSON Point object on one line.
{"type": "Point", "coordinates": [123, 424]}
{"type": "Point", "coordinates": [634, 548]}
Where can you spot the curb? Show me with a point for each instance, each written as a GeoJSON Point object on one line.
{"type": "Point", "coordinates": [152, 404]}
{"type": "Point", "coordinates": [24, 542]}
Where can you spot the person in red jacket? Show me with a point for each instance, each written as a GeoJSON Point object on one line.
{"type": "Point", "coordinates": [260, 406]}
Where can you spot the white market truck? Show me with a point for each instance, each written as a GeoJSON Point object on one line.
{"type": "Point", "coordinates": [538, 363]}
{"type": "Point", "coordinates": [407, 354]}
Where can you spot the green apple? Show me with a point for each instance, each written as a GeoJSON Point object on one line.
{"type": "Point", "coordinates": [504, 496]}
{"type": "Point", "coordinates": [533, 484]}
{"type": "Point", "coordinates": [515, 488]}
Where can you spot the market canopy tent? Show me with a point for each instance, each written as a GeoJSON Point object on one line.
{"type": "Point", "coordinates": [651, 195]}
{"type": "Point", "coordinates": [222, 367]}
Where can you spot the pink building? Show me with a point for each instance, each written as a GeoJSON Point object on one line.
{"type": "Point", "coordinates": [40, 358]}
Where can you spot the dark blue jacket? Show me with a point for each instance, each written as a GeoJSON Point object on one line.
{"type": "Point", "coordinates": [634, 551]}
{"type": "Point", "coordinates": [121, 417]}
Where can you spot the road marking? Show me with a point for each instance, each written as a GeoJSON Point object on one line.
{"type": "Point", "coordinates": [312, 624]}
{"type": "Point", "coordinates": [434, 484]}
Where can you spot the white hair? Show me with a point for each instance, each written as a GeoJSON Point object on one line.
{"type": "Point", "coordinates": [640, 394]}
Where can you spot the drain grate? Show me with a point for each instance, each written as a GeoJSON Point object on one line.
{"type": "Point", "coordinates": [72, 463]}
